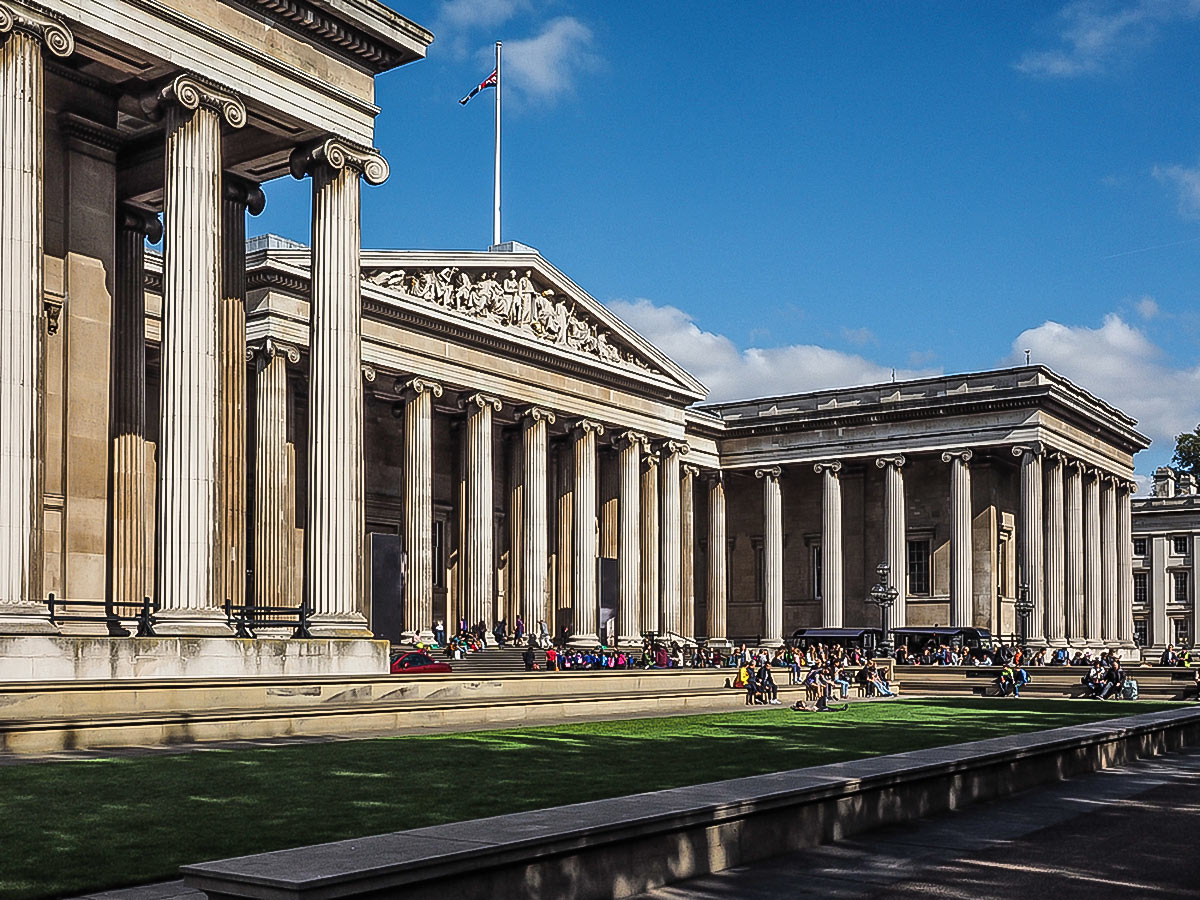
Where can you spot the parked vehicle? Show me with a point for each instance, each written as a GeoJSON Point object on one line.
{"type": "Point", "coordinates": [414, 663]}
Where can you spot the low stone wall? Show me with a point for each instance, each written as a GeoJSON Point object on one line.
{"type": "Point", "coordinates": [76, 658]}
{"type": "Point", "coordinates": [620, 847]}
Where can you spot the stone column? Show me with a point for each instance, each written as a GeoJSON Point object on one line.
{"type": "Point", "coordinates": [718, 574]}
{"type": "Point", "coordinates": [961, 561]}
{"type": "Point", "coordinates": [335, 518]}
{"type": "Point", "coordinates": [127, 556]}
{"type": "Point", "coordinates": [773, 555]}
{"type": "Point", "coordinates": [895, 536]}
{"type": "Point", "coordinates": [1031, 529]}
{"type": "Point", "coordinates": [1109, 552]}
{"type": "Point", "coordinates": [564, 552]}
{"type": "Point", "coordinates": [671, 598]}
{"type": "Point", "coordinates": [190, 576]}
{"type": "Point", "coordinates": [1091, 558]}
{"type": "Point", "coordinates": [832, 601]}
{"type": "Point", "coordinates": [479, 562]}
{"type": "Point", "coordinates": [1055, 561]}
{"type": "Point", "coordinates": [609, 517]}
{"type": "Point", "coordinates": [273, 529]}
{"type": "Point", "coordinates": [1073, 555]}
{"type": "Point", "coordinates": [239, 197]}
{"type": "Point", "coordinates": [23, 35]}
{"type": "Point", "coordinates": [419, 394]}
{"type": "Point", "coordinates": [1125, 491]}
{"type": "Point", "coordinates": [629, 612]}
{"type": "Point", "coordinates": [534, 548]}
{"type": "Point", "coordinates": [687, 551]}
{"type": "Point", "coordinates": [587, 606]}
{"type": "Point", "coordinates": [650, 542]}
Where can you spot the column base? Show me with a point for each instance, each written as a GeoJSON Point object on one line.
{"type": "Point", "coordinates": [191, 623]}
{"type": "Point", "coordinates": [583, 640]}
{"type": "Point", "coordinates": [720, 643]}
{"type": "Point", "coordinates": [26, 618]}
{"type": "Point", "coordinates": [327, 625]}
{"type": "Point", "coordinates": [417, 637]}
{"type": "Point", "coordinates": [1057, 642]}
{"type": "Point", "coordinates": [629, 640]}
{"type": "Point", "coordinates": [771, 642]}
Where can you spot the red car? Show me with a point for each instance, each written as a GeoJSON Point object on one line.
{"type": "Point", "coordinates": [414, 663]}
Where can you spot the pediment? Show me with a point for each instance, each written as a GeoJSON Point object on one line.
{"type": "Point", "coordinates": [523, 296]}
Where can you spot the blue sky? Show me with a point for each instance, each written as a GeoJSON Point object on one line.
{"type": "Point", "coordinates": [791, 196]}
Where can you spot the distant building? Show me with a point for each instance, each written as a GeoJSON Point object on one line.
{"type": "Point", "coordinates": [1166, 580]}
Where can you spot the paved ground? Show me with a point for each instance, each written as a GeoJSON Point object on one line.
{"type": "Point", "coordinates": [1127, 832]}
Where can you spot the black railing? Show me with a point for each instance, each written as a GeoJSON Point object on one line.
{"type": "Point", "coordinates": [244, 618]}
{"type": "Point", "coordinates": [105, 614]}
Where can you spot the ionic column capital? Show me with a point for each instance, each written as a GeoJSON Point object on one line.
{"type": "Point", "coordinates": [481, 401]}
{"type": "Point", "coordinates": [651, 459]}
{"type": "Point", "coordinates": [964, 456]}
{"type": "Point", "coordinates": [584, 426]}
{"type": "Point", "coordinates": [670, 447]}
{"type": "Point", "coordinates": [628, 439]}
{"type": "Point", "coordinates": [414, 386]}
{"type": "Point", "coordinates": [270, 348]}
{"type": "Point", "coordinates": [191, 92]}
{"type": "Point", "coordinates": [368, 373]}
{"type": "Point", "coordinates": [1056, 457]}
{"type": "Point", "coordinates": [772, 472]}
{"type": "Point", "coordinates": [338, 153]}
{"type": "Point", "coordinates": [689, 469]}
{"type": "Point", "coordinates": [1021, 450]}
{"type": "Point", "coordinates": [831, 466]}
{"type": "Point", "coordinates": [897, 461]}
{"type": "Point", "coordinates": [41, 23]}
{"type": "Point", "coordinates": [714, 477]}
{"type": "Point", "coordinates": [244, 192]}
{"type": "Point", "coordinates": [534, 414]}
{"type": "Point", "coordinates": [141, 221]}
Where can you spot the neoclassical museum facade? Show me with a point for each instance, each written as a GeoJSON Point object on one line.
{"type": "Point", "coordinates": [392, 438]}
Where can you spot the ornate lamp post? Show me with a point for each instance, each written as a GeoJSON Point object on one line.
{"type": "Point", "coordinates": [883, 595]}
{"type": "Point", "coordinates": [1024, 607]}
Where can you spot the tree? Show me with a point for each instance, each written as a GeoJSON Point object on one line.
{"type": "Point", "coordinates": [1187, 452]}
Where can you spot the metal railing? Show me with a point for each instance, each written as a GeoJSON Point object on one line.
{"type": "Point", "coordinates": [244, 618]}
{"type": "Point", "coordinates": [144, 619]}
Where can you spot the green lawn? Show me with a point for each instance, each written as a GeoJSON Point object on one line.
{"type": "Point", "coordinates": [71, 827]}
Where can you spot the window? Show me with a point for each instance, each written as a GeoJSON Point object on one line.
{"type": "Point", "coordinates": [1141, 632]}
{"type": "Point", "coordinates": [1180, 579]}
{"type": "Point", "coordinates": [1139, 546]}
{"type": "Point", "coordinates": [816, 570]}
{"type": "Point", "coordinates": [1181, 632]}
{"type": "Point", "coordinates": [918, 568]}
{"type": "Point", "coordinates": [1179, 546]}
{"type": "Point", "coordinates": [1141, 591]}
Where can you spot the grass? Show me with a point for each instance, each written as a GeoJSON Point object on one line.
{"type": "Point", "coordinates": [89, 824]}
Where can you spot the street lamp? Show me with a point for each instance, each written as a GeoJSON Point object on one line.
{"type": "Point", "coordinates": [883, 595]}
{"type": "Point", "coordinates": [1024, 607]}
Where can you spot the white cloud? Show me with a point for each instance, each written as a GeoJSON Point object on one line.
{"type": "Point", "coordinates": [1120, 364]}
{"type": "Point", "coordinates": [860, 336]}
{"type": "Point", "coordinates": [731, 373]}
{"type": "Point", "coordinates": [548, 65]}
{"type": "Point", "coordinates": [464, 15]}
{"type": "Point", "coordinates": [1095, 34]}
{"type": "Point", "coordinates": [1186, 183]}
{"type": "Point", "coordinates": [1147, 307]}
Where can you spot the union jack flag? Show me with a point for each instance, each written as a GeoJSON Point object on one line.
{"type": "Point", "coordinates": [489, 82]}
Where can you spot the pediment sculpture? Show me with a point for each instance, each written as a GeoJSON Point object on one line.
{"type": "Point", "coordinates": [514, 301]}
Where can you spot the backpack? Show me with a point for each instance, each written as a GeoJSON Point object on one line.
{"type": "Point", "coordinates": [1130, 690]}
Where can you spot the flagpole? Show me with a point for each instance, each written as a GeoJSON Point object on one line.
{"type": "Point", "coordinates": [496, 191]}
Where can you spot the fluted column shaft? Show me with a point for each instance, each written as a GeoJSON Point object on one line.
{"type": "Point", "coordinates": [419, 394]}
{"type": "Point", "coordinates": [480, 559]}
{"type": "Point", "coordinates": [1092, 566]}
{"type": "Point", "coordinates": [534, 549]}
{"type": "Point", "coordinates": [1031, 529]}
{"type": "Point", "coordinates": [687, 551]}
{"type": "Point", "coordinates": [718, 574]}
{"type": "Point", "coordinates": [629, 609]}
{"type": "Point", "coordinates": [1109, 554]}
{"type": "Point", "coordinates": [587, 607]}
{"type": "Point", "coordinates": [832, 599]}
{"type": "Point", "coordinates": [273, 531]}
{"type": "Point", "coordinates": [565, 529]}
{"type": "Point", "coordinates": [1125, 564]}
{"type": "Point", "coordinates": [650, 542]}
{"type": "Point", "coordinates": [335, 517]}
{"type": "Point", "coordinates": [671, 597]}
{"type": "Point", "coordinates": [1055, 554]}
{"type": "Point", "coordinates": [772, 556]}
{"type": "Point", "coordinates": [127, 560]}
{"type": "Point", "coordinates": [961, 555]}
{"type": "Point", "coordinates": [1074, 555]}
{"type": "Point", "coordinates": [238, 197]}
{"type": "Point", "coordinates": [190, 575]}
{"type": "Point", "coordinates": [895, 538]}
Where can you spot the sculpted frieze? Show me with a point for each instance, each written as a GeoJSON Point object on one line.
{"type": "Point", "coordinates": [513, 300]}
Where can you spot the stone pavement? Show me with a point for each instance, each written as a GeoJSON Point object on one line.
{"type": "Point", "coordinates": [1127, 832]}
